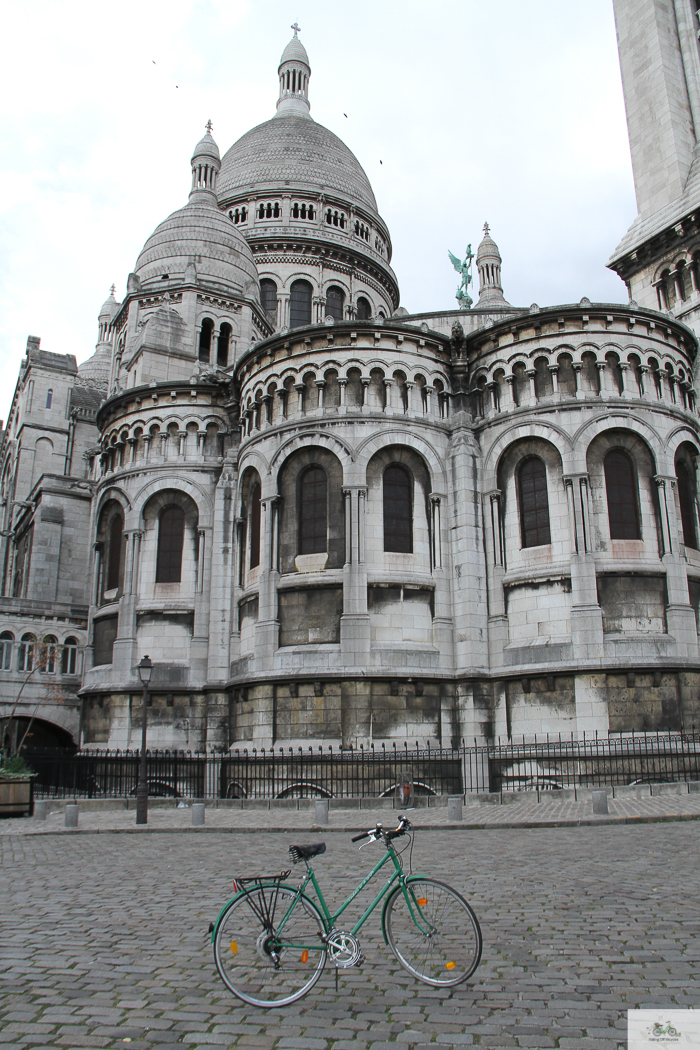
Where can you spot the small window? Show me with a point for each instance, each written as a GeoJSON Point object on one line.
{"type": "Point", "coordinates": [534, 502]}
{"type": "Point", "coordinates": [313, 528]}
{"type": "Point", "coordinates": [26, 653]}
{"type": "Point", "coordinates": [171, 534]}
{"type": "Point", "coordinates": [268, 296]}
{"type": "Point", "coordinates": [6, 643]}
{"type": "Point", "coordinates": [686, 498]}
{"type": "Point", "coordinates": [255, 527]}
{"type": "Point", "coordinates": [114, 553]}
{"type": "Point", "coordinates": [205, 340]}
{"type": "Point", "coordinates": [398, 511]}
{"type": "Point", "coordinates": [223, 345]}
{"type": "Point", "coordinates": [364, 310]}
{"type": "Point", "coordinates": [300, 304]}
{"type": "Point", "coordinates": [621, 489]}
{"type": "Point", "coordinates": [69, 656]}
{"type": "Point", "coordinates": [335, 301]}
{"type": "Point", "coordinates": [49, 398]}
{"type": "Point", "coordinates": [48, 654]}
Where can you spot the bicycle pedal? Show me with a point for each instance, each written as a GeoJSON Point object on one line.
{"type": "Point", "coordinates": [361, 961]}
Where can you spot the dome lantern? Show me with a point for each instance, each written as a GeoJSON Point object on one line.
{"type": "Point", "coordinates": [294, 72]}
{"type": "Point", "coordinates": [488, 263]}
{"type": "Point", "coordinates": [206, 163]}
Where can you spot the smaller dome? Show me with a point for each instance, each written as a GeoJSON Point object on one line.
{"type": "Point", "coordinates": [95, 371]}
{"type": "Point", "coordinates": [488, 247]}
{"type": "Point", "coordinates": [294, 52]}
{"type": "Point", "coordinates": [207, 147]}
{"type": "Point", "coordinates": [109, 307]}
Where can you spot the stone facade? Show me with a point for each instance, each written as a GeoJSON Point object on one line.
{"type": "Point", "coordinates": [329, 521]}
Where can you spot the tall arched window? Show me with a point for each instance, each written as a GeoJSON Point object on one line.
{"type": "Point", "coordinates": [335, 301]}
{"type": "Point", "coordinates": [300, 304]}
{"type": "Point", "coordinates": [6, 642]}
{"type": "Point", "coordinates": [686, 498]}
{"type": "Point", "coordinates": [364, 310]}
{"type": "Point", "coordinates": [114, 552]}
{"type": "Point", "coordinates": [255, 527]}
{"type": "Point", "coordinates": [69, 656]}
{"type": "Point", "coordinates": [25, 660]}
{"type": "Point", "coordinates": [223, 344]}
{"type": "Point", "coordinates": [268, 296]}
{"type": "Point", "coordinates": [621, 488]}
{"type": "Point", "coordinates": [205, 340]}
{"type": "Point", "coordinates": [313, 512]}
{"type": "Point", "coordinates": [48, 654]}
{"type": "Point", "coordinates": [534, 502]}
{"type": "Point", "coordinates": [49, 398]}
{"type": "Point", "coordinates": [171, 533]}
{"type": "Point", "coordinates": [398, 511]}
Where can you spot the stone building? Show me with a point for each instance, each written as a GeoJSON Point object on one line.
{"type": "Point", "coordinates": [329, 521]}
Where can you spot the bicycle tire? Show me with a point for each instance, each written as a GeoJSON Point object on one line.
{"type": "Point", "coordinates": [442, 945]}
{"type": "Point", "coordinates": [242, 948]}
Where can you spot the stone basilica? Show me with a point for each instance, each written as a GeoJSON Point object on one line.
{"type": "Point", "coordinates": [328, 521]}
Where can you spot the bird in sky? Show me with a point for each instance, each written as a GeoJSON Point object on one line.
{"type": "Point", "coordinates": [345, 115]}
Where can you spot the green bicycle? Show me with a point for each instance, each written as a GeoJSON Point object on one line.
{"type": "Point", "coordinates": [271, 941]}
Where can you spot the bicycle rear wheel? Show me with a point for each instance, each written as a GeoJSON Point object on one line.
{"type": "Point", "coordinates": [271, 966]}
{"type": "Point", "coordinates": [437, 938]}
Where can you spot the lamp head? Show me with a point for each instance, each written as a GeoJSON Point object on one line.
{"type": "Point", "coordinates": [145, 669]}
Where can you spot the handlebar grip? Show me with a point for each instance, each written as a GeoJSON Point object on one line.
{"type": "Point", "coordinates": [364, 835]}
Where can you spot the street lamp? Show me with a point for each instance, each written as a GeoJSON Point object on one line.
{"type": "Point", "coordinates": [145, 670]}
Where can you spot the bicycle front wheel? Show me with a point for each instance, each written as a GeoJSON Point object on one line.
{"type": "Point", "coordinates": [433, 932]}
{"type": "Point", "coordinates": [273, 963]}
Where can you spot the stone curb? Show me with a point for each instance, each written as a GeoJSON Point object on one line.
{"type": "Point", "coordinates": [582, 822]}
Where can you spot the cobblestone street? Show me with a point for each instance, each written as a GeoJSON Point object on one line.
{"type": "Point", "coordinates": [105, 943]}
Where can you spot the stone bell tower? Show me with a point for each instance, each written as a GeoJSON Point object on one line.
{"type": "Point", "coordinates": [660, 64]}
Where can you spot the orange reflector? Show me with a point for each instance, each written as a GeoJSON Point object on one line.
{"type": "Point", "coordinates": [422, 901]}
{"type": "Point", "coordinates": [304, 956]}
{"type": "Point", "coordinates": [234, 948]}
{"type": "Point", "coordinates": [450, 965]}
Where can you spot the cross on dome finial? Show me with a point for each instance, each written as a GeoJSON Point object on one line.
{"type": "Point", "coordinates": [209, 126]}
{"type": "Point", "coordinates": [112, 290]}
{"type": "Point", "coordinates": [486, 227]}
{"type": "Point", "coordinates": [296, 27]}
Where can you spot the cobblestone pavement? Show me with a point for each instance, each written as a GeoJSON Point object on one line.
{"type": "Point", "coordinates": [621, 809]}
{"type": "Point", "coordinates": [104, 941]}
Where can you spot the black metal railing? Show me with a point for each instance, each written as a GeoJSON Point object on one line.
{"type": "Point", "coordinates": [548, 763]}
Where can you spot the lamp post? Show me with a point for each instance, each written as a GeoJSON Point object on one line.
{"type": "Point", "coordinates": [145, 669]}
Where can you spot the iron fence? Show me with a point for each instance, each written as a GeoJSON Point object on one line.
{"type": "Point", "coordinates": [285, 773]}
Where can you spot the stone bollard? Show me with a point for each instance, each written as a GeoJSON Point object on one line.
{"type": "Point", "coordinates": [600, 802]}
{"type": "Point", "coordinates": [321, 812]}
{"type": "Point", "coordinates": [454, 808]}
{"type": "Point", "coordinates": [197, 814]}
{"type": "Point", "coordinates": [72, 815]}
{"type": "Point", "coordinates": [41, 808]}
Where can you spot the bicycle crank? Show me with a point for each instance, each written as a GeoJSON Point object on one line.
{"type": "Point", "coordinates": [344, 949]}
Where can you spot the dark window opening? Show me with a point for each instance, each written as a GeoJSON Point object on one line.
{"type": "Point", "coordinates": [623, 514]}
{"type": "Point", "coordinates": [114, 554]}
{"type": "Point", "coordinates": [268, 296]}
{"type": "Point", "coordinates": [49, 398]}
{"type": "Point", "coordinates": [300, 304]}
{"type": "Point", "coordinates": [335, 301]}
{"type": "Point", "coordinates": [313, 529]}
{"type": "Point", "coordinates": [534, 503]}
{"type": "Point", "coordinates": [69, 656]}
{"type": "Point", "coordinates": [364, 310]}
{"type": "Point", "coordinates": [171, 533]}
{"type": "Point", "coordinates": [686, 498]}
{"type": "Point", "coordinates": [223, 344]}
{"type": "Point", "coordinates": [398, 512]}
{"type": "Point", "coordinates": [205, 340]}
{"type": "Point", "coordinates": [255, 527]}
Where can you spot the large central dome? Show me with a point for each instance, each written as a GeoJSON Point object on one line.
{"type": "Point", "coordinates": [298, 151]}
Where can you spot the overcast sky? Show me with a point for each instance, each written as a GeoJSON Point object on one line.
{"type": "Point", "coordinates": [477, 110]}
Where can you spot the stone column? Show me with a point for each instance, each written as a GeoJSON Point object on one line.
{"type": "Point", "coordinates": [429, 391]}
{"type": "Point", "coordinates": [492, 388]}
{"type": "Point", "coordinates": [299, 387]}
{"type": "Point", "coordinates": [347, 500]}
{"type": "Point", "coordinates": [354, 623]}
{"type": "Point", "coordinates": [436, 531]}
{"type": "Point", "coordinates": [146, 446]}
{"type": "Point", "coordinates": [267, 627]}
{"type": "Point", "coordinates": [624, 372]}
{"type": "Point", "coordinates": [365, 384]}
{"type": "Point", "coordinates": [200, 560]}
{"type": "Point", "coordinates": [320, 384]}
{"type": "Point", "coordinates": [531, 373]}
{"type": "Point", "coordinates": [132, 449]}
{"type": "Point", "coordinates": [646, 381]}
{"type": "Point", "coordinates": [342, 383]}
{"type": "Point", "coordinates": [182, 438]}
{"type": "Point", "coordinates": [409, 397]}
{"type": "Point", "coordinates": [586, 614]}
{"type": "Point", "coordinates": [389, 397]}
{"type": "Point", "coordinates": [577, 367]}
{"type": "Point", "coordinates": [267, 409]}
{"type": "Point", "coordinates": [510, 384]}
{"type": "Point", "coordinates": [554, 372]}
{"type": "Point", "coordinates": [602, 367]}
{"type": "Point", "coordinates": [680, 616]}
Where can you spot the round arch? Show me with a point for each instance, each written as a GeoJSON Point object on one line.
{"type": "Point", "coordinates": [368, 448]}
{"type": "Point", "coordinates": [548, 432]}
{"type": "Point", "coordinates": [620, 421]}
{"type": "Point", "coordinates": [179, 484]}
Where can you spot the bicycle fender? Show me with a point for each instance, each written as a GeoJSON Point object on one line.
{"type": "Point", "coordinates": [283, 885]}
{"type": "Point", "coordinates": [409, 879]}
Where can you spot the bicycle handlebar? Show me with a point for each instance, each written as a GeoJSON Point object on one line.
{"type": "Point", "coordinates": [379, 832]}
{"type": "Point", "coordinates": [364, 835]}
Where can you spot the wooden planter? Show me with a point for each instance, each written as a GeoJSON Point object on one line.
{"type": "Point", "coordinates": [16, 797]}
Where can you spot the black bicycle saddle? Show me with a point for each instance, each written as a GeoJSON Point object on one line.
{"type": "Point", "coordinates": [298, 853]}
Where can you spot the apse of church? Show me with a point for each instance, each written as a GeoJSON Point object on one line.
{"type": "Point", "coordinates": [329, 521]}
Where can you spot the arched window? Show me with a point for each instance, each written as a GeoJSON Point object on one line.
{"type": "Point", "coordinates": [205, 340]}
{"type": "Point", "coordinates": [335, 301]}
{"type": "Point", "coordinates": [49, 398]}
{"type": "Point", "coordinates": [223, 344]}
{"type": "Point", "coordinates": [398, 511]}
{"type": "Point", "coordinates": [313, 512]}
{"type": "Point", "coordinates": [268, 296]}
{"type": "Point", "coordinates": [6, 643]}
{"type": "Point", "coordinates": [534, 502]}
{"type": "Point", "coordinates": [686, 498]}
{"type": "Point", "coordinates": [255, 527]}
{"type": "Point", "coordinates": [25, 660]}
{"type": "Point", "coordinates": [171, 533]}
{"type": "Point", "coordinates": [114, 552]}
{"type": "Point", "coordinates": [300, 304]}
{"type": "Point", "coordinates": [621, 489]}
{"type": "Point", "coordinates": [48, 654]}
{"type": "Point", "coordinates": [69, 656]}
{"type": "Point", "coordinates": [364, 310]}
